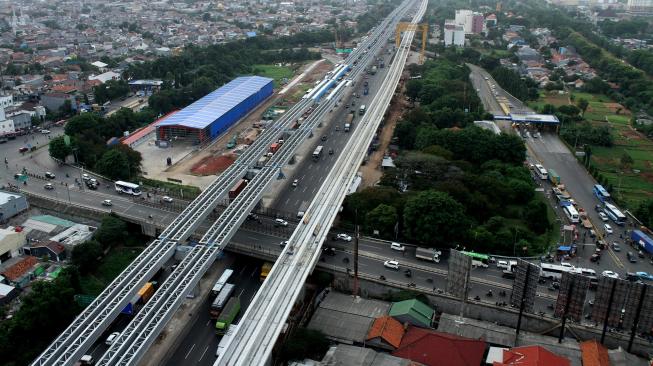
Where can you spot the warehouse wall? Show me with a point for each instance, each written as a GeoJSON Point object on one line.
{"type": "Point", "coordinates": [228, 119]}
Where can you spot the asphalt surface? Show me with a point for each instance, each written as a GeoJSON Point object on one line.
{"type": "Point", "coordinates": [310, 174]}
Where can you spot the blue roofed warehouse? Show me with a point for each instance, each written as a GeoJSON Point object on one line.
{"type": "Point", "coordinates": [214, 113]}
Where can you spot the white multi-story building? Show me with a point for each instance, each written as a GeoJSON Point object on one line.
{"type": "Point", "coordinates": [640, 6]}
{"type": "Point", "coordinates": [6, 101]}
{"type": "Point", "coordinates": [464, 18]}
{"type": "Point", "coordinates": [454, 34]}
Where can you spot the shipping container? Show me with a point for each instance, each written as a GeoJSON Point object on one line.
{"type": "Point", "coordinates": [235, 191]}
{"type": "Point", "coordinates": [146, 292]}
{"type": "Point", "coordinates": [642, 240]}
{"type": "Point", "coordinates": [554, 177]}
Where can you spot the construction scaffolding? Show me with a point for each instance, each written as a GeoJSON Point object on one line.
{"type": "Point", "coordinates": [405, 26]}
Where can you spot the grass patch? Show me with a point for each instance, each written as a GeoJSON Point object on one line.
{"type": "Point", "coordinates": [112, 264]}
{"type": "Point", "coordinates": [173, 189]}
{"type": "Point", "coordinates": [278, 73]}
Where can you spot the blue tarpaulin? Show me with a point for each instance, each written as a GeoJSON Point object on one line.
{"type": "Point", "coordinates": [564, 248]}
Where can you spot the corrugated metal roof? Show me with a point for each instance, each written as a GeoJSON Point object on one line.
{"type": "Point", "coordinates": [215, 104]}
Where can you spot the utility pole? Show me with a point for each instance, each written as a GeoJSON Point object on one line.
{"type": "Point", "coordinates": [564, 313]}
{"type": "Point", "coordinates": [607, 312]}
{"type": "Point", "coordinates": [356, 234]}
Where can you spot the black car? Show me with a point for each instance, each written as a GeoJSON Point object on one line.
{"type": "Point", "coordinates": [49, 175]}
{"type": "Point", "coordinates": [631, 257]}
{"type": "Point", "coordinates": [329, 251]}
{"type": "Point", "coordinates": [324, 138]}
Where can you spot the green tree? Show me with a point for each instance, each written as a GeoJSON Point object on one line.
{"type": "Point", "coordinates": [536, 216]}
{"type": "Point", "coordinates": [413, 88]}
{"type": "Point", "coordinates": [382, 218]}
{"type": "Point", "coordinates": [112, 231]}
{"type": "Point", "coordinates": [86, 256]}
{"type": "Point", "coordinates": [113, 164]}
{"type": "Point", "coordinates": [58, 148]}
{"type": "Point", "coordinates": [582, 104]}
{"type": "Point", "coordinates": [434, 218]}
{"type": "Point", "coordinates": [626, 161]}
{"type": "Point", "coordinates": [304, 343]}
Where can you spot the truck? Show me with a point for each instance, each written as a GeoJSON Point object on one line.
{"type": "Point", "coordinates": [373, 70]}
{"type": "Point", "coordinates": [381, 64]}
{"type": "Point", "coordinates": [585, 221]}
{"type": "Point", "coordinates": [235, 191]}
{"type": "Point", "coordinates": [227, 315]}
{"type": "Point", "coordinates": [222, 346]}
{"type": "Point", "coordinates": [265, 270]}
{"type": "Point", "coordinates": [560, 192]}
{"type": "Point", "coordinates": [366, 84]}
{"type": "Point", "coordinates": [554, 177]}
{"type": "Point", "coordinates": [348, 121]}
{"type": "Point", "coordinates": [428, 254]}
{"type": "Point", "coordinates": [274, 147]}
{"type": "Point", "coordinates": [642, 240]}
{"type": "Point", "coordinates": [142, 297]}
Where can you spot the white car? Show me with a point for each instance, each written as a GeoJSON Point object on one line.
{"type": "Point", "coordinates": [45, 132]}
{"type": "Point", "coordinates": [112, 337]}
{"type": "Point", "coordinates": [397, 247]}
{"type": "Point", "coordinates": [280, 222]}
{"type": "Point", "coordinates": [502, 264]}
{"type": "Point", "coordinates": [391, 264]}
{"type": "Point", "coordinates": [107, 203]}
{"type": "Point", "coordinates": [610, 274]}
{"type": "Point", "coordinates": [166, 199]}
{"type": "Point", "coordinates": [295, 182]}
{"type": "Point", "coordinates": [603, 216]}
{"type": "Point", "coordinates": [344, 237]}
{"type": "Point", "coordinates": [608, 228]}
{"type": "Point", "coordinates": [85, 177]}
{"type": "Point", "coordinates": [48, 186]}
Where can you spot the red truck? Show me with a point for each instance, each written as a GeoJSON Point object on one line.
{"type": "Point", "coordinates": [235, 191]}
{"type": "Point", "coordinates": [274, 147]}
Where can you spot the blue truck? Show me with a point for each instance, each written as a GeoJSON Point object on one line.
{"type": "Point", "coordinates": [642, 240]}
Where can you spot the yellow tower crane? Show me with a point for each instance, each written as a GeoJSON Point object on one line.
{"type": "Point", "coordinates": [405, 26]}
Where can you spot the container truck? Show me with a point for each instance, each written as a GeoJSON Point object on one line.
{"type": "Point", "coordinates": [554, 177]}
{"type": "Point", "coordinates": [642, 240]}
{"type": "Point", "coordinates": [235, 191]}
{"type": "Point", "coordinates": [142, 297]}
{"type": "Point", "coordinates": [428, 254]}
{"type": "Point", "coordinates": [227, 316]}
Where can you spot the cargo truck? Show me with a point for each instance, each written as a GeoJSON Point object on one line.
{"type": "Point", "coordinates": [227, 316]}
{"type": "Point", "coordinates": [561, 192]}
{"type": "Point", "coordinates": [373, 70]}
{"type": "Point", "coordinates": [642, 240]}
{"type": "Point", "coordinates": [554, 177]}
{"type": "Point", "coordinates": [142, 297]}
{"type": "Point", "coordinates": [349, 121]}
{"type": "Point", "coordinates": [235, 191]}
{"type": "Point", "coordinates": [428, 254]}
{"type": "Point", "coordinates": [584, 219]}
{"type": "Point", "coordinates": [265, 270]}
{"type": "Point", "coordinates": [274, 147]}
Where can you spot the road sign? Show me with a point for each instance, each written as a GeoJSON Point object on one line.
{"type": "Point", "coordinates": [524, 287]}
{"type": "Point", "coordinates": [573, 289]}
{"type": "Point", "coordinates": [458, 278]}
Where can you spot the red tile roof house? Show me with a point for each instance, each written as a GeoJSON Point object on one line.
{"type": "Point", "coordinates": [19, 274]}
{"type": "Point", "coordinates": [531, 356]}
{"type": "Point", "coordinates": [440, 349]}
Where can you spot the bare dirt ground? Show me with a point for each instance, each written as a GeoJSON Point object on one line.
{"type": "Point", "coordinates": [199, 163]}
{"type": "Point", "coordinates": [213, 164]}
{"type": "Point", "coordinates": [372, 170]}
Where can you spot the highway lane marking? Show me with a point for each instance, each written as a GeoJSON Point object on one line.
{"type": "Point", "coordinates": [189, 351]}
{"type": "Point", "coordinates": [252, 297]}
{"type": "Point", "coordinates": [208, 322]}
{"type": "Point", "coordinates": [241, 293]}
{"type": "Point", "coordinates": [203, 353]}
{"type": "Point", "coordinates": [242, 271]}
{"type": "Point", "coordinates": [253, 272]}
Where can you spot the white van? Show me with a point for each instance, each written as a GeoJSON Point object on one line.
{"type": "Point", "coordinates": [112, 337]}
{"type": "Point", "coordinates": [502, 264]}
{"type": "Point", "coordinates": [397, 246]}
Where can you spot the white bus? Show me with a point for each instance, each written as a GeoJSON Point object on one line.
{"type": "Point", "coordinates": [614, 214]}
{"type": "Point", "coordinates": [554, 271]}
{"type": "Point", "coordinates": [571, 213]}
{"type": "Point", "coordinates": [129, 188]}
{"type": "Point", "coordinates": [221, 300]}
{"type": "Point", "coordinates": [317, 152]}
{"type": "Point", "coordinates": [219, 284]}
{"type": "Point", "coordinates": [541, 172]}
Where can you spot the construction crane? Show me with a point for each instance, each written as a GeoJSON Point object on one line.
{"type": "Point", "coordinates": [405, 26]}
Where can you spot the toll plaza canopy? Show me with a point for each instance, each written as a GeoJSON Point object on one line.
{"type": "Point", "coordinates": [214, 113]}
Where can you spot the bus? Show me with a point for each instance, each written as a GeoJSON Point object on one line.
{"type": "Point", "coordinates": [571, 212]}
{"type": "Point", "coordinates": [219, 284]}
{"type": "Point", "coordinates": [478, 260]}
{"type": "Point", "coordinates": [317, 152]}
{"type": "Point", "coordinates": [226, 339]}
{"type": "Point", "coordinates": [126, 187]}
{"type": "Point", "coordinates": [361, 111]}
{"type": "Point", "coordinates": [554, 271]}
{"type": "Point", "coordinates": [221, 300]}
{"type": "Point", "coordinates": [614, 214]}
{"type": "Point", "coordinates": [541, 172]}
{"type": "Point", "coordinates": [601, 193]}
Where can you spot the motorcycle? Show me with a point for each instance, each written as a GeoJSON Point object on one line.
{"type": "Point", "coordinates": [477, 298]}
{"type": "Point", "coordinates": [382, 278]}
{"type": "Point", "coordinates": [489, 294]}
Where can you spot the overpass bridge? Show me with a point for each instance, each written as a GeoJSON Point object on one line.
{"type": "Point", "coordinates": [264, 319]}
{"type": "Point", "coordinates": [140, 333]}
